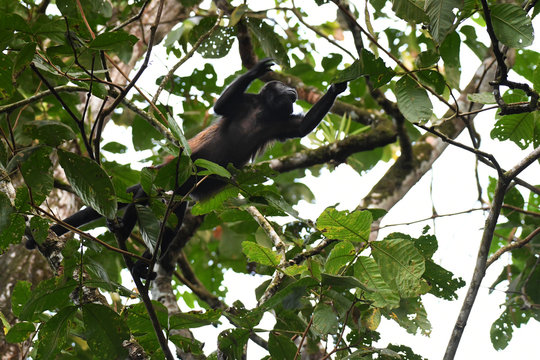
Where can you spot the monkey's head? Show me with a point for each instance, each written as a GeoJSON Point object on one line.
{"type": "Point", "coordinates": [278, 97]}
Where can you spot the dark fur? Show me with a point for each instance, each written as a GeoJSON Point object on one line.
{"type": "Point", "coordinates": [247, 124]}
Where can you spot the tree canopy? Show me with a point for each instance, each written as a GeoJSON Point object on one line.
{"type": "Point", "coordinates": [70, 72]}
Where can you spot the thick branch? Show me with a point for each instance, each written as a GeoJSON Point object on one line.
{"type": "Point", "coordinates": [479, 270]}
{"type": "Point", "coordinates": [381, 135]}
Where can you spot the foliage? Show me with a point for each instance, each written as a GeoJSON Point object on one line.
{"type": "Point", "coordinates": [331, 284]}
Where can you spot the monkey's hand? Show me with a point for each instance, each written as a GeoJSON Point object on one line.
{"type": "Point", "coordinates": [262, 67]}
{"type": "Point", "coordinates": [338, 88]}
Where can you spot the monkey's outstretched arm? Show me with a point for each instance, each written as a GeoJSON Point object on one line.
{"type": "Point", "coordinates": [229, 100]}
{"type": "Point", "coordinates": [304, 125]}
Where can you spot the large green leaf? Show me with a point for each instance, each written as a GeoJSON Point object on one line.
{"type": "Point", "coordinates": [218, 44]}
{"type": "Point", "coordinates": [401, 265]}
{"type": "Point", "coordinates": [54, 333]}
{"type": "Point", "coordinates": [24, 57]}
{"type": "Point", "coordinates": [90, 182]}
{"type": "Point", "coordinates": [111, 40]}
{"type": "Point", "coordinates": [450, 52]}
{"type": "Point", "coordinates": [325, 319]}
{"type": "Point", "coordinates": [340, 255]}
{"type": "Point", "coordinates": [48, 295]}
{"type": "Point", "coordinates": [20, 332]}
{"type": "Point", "coordinates": [519, 128]}
{"type": "Point", "coordinates": [260, 254]}
{"type": "Point", "coordinates": [269, 41]}
{"type": "Point", "coordinates": [342, 225]}
{"type": "Point", "coordinates": [281, 347]}
{"type": "Point", "coordinates": [471, 40]}
{"type": "Point", "coordinates": [410, 10]}
{"type": "Point", "coordinates": [441, 17]}
{"type": "Point", "coordinates": [194, 319]}
{"type": "Point", "coordinates": [36, 171]}
{"type": "Point", "coordinates": [512, 25]}
{"type": "Point", "coordinates": [367, 271]}
{"type": "Point", "coordinates": [413, 100]}
{"type": "Point", "coordinates": [231, 342]}
{"type": "Point", "coordinates": [149, 226]}
{"type": "Point", "coordinates": [51, 133]}
{"type": "Point", "coordinates": [527, 63]}
{"type": "Point", "coordinates": [105, 332]}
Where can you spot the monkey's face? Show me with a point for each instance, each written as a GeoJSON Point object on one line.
{"type": "Point", "coordinates": [278, 97]}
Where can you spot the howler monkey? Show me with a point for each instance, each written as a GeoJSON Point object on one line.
{"type": "Point", "coordinates": [248, 122]}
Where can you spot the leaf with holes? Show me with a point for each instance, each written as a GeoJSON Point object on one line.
{"type": "Point", "coordinates": [512, 25]}
{"type": "Point", "coordinates": [342, 225]}
{"type": "Point", "coordinates": [90, 182]}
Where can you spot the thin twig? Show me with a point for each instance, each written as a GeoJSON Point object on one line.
{"type": "Point", "coordinates": [512, 246]}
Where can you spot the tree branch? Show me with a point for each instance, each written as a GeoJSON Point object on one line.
{"type": "Point", "coordinates": [512, 246]}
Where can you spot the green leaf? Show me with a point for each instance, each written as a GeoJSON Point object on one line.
{"type": "Point", "coordinates": [111, 40]}
{"type": "Point", "coordinates": [174, 173]}
{"type": "Point", "coordinates": [325, 319]}
{"type": "Point", "coordinates": [401, 265]}
{"type": "Point", "coordinates": [20, 332]}
{"type": "Point", "coordinates": [347, 282]}
{"type": "Point", "coordinates": [269, 41]}
{"type": "Point", "coordinates": [214, 202]}
{"type": "Point", "coordinates": [21, 294]}
{"type": "Point", "coordinates": [519, 128]}
{"type": "Point", "coordinates": [48, 295]}
{"type": "Point", "coordinates": [502, 330]}
{"type": "Point", "coordinates": [54, 333]}
{"type": "Point", "coordinates": [482, 98]}
{"type": "Point", "coordinates": [231, 342]}
{"type": "Point", "coordinates": [149, 226]}
{"type": "Point", "coordinates": [342, 253]}
{"type": "Point", "coordinates": [6, 209]}
{"type": "Point", "coordinates": [410, 10]}
{"type": "Point", "coordinates": [342, 225]}
{"type": "Point", "coordinates": [433, 79]}
{"type": "Point", "coordinates": [443, 284]}
{"type": "Point", "coordinates": [105, 332]}
{"type": "Point", "coordinates": [291, 293]}
{"type": "Point", "coordinates": [441, 17]}
{"type": "Point", "coordinates": [260, 254]}
{"type": "Point", "coordinates": [39, 228]}
{"type": "Point", "coordinates": [512, 25]}
{"type": "Point", "coordinates": [367, 271]}
{"type": "Point", "coordinates": [189, 346]}
{"type": "Point", "coordinates": [51, 133]}
{"type": "Point", "coordinates": [144, 135]}
{"type": "Point", "coordinates": [526, 63]}
{"type": "Point", "coordinates": [377, 70]}
{"type": "Point", "coordinates": [413, 100]}
{"type": "Point", "coordinates": [179, 134]}
{"type": "Point", "coordinates": [218, 44]}
{"type": "Point", "coordinates": [90, 182]}
{"type": "Point", "coordinates": [450, 51]}
{"type": "Point", "coordinates": [471, 40]}
{"type": "Point", "coordinates": [36, 171]}
{"type": "Point", "coordinates": [24, 57]}
{"type": "Point", "coordinates": [427, 59]}
{"type": "Point", "coordinates": [115, 147]}
{"type": "Point", "coordinates": [211, 168]}
{"type": "Point", "coordinates": [194, 319]}
{"type": "Point", "coordinates": [352, 72]}
{"type": "Point", "coordinates": [238, 13]}
{"type": "Point", "coordinates": [281, 347]}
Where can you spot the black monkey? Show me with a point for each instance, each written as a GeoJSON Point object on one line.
{"type": "Point", "coordinates": [248, 122]}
